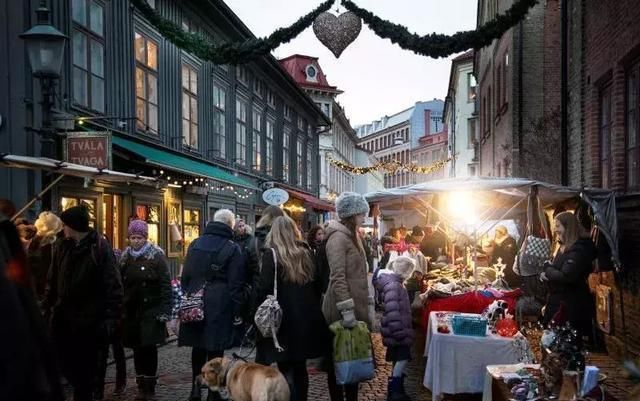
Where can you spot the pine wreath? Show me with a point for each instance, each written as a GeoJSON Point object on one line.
{"type": "Point", "coordinates": [438, 45]}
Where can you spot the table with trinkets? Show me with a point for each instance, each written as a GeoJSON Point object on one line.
{"type": "Point", "coordinates": [457, 363]}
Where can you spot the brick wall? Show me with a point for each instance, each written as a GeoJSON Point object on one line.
{"type": "Point", "coordinates": [610, 41]}
{"type": "Point", "coordinates": [532, 48]}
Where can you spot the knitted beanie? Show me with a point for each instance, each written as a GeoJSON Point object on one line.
{"type": "Point", "coordinates": [350, 204]}
{"type": "Point", "coordinates": [76, 218]}
{"type": "Point", "coordinates": [138, 227]}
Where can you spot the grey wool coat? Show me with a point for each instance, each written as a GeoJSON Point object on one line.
{"type": "Point", "coordinates": [348, 279]}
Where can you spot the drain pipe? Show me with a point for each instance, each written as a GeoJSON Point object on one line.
{"type": "Point", "coordinates": [564, 95]}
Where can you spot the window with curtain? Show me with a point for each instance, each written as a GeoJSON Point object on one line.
{"type": "Point", "coordinates": [241, 132]}
{"type": "Point", "coordinates": [219, 121]}
{"type": "Point", "coordinates": [257, 140]}
{"type": "Point", "coordinates": [604, 134]}
{"type": "Point", "coordinates": [270, 128]}
{"type": "Point", "coordinates": [189, 106]}
{"type": "Point", "coordinates": [309, 165]}
{"type": "Point", "coordinates": [146, 83]}
{"type": "Point", "coordinates": [286, 138]}
{"type": "Point", "coordinates": [88, 54]}
{"type": "Point", "coordinates": [300, 161]}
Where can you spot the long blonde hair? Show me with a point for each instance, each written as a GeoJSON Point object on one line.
{"type": "Point", "coordinates": [269, 214]}
{"type": "Point", "coordinates": [295, 259]}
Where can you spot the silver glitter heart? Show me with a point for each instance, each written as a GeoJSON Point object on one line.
{"type": "Point", "coordinates": [337, 32]}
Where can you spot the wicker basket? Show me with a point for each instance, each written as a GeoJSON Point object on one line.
{"type": "Point", "coordinates": [469, 326]}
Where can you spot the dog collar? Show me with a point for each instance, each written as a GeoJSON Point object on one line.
{"type": "Point", "coordinates": [227, 370]}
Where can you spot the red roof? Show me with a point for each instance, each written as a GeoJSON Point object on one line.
{"type": "Point", "coordinates": [296, 65]}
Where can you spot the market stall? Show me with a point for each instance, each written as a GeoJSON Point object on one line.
{"type": "Point", "coordinates": [468, 210]}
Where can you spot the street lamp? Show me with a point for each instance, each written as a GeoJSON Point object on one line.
{"type": "Point", "coordinates": [45, 47]}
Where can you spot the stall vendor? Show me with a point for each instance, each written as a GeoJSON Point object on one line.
{"type": "Point", "coordinates": [505, 249]}
{"type": "Point", "coordinates": [434, 243]}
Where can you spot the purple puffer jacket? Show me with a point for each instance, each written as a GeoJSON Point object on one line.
{"type": "Point", "coordinates": [396, 320]}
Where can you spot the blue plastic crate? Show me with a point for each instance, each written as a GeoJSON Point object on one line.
{"type": "Point", "coordinates": [469, 326]}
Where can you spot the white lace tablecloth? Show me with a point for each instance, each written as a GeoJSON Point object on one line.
{"type": "Point", "coordinates": [457, 364]}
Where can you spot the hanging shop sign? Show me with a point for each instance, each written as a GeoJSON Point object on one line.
{"type": "Point", "coordinates": [91, 149]}
{"type": "Point", "coordinates": [275, 196]}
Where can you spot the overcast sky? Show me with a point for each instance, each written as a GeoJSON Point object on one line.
{"type": "Point", "coordinates": [378, 78]}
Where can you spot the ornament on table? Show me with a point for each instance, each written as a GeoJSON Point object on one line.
{"type": "Point", "coordinates": [499, 282]}
{"type": "Point", "coordinates": [496, 310]}
{"type": "Point", "coordinates": [337, 32]}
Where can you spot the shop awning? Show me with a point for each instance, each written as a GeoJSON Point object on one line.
{"type": "Point", "coordinates": [311, 200]}
{"type": "Point", "coordinates": [71, 169]}
{"type": "Point", "coordinates": [183, 164]}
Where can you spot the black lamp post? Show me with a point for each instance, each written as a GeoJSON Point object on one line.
{"type": "Point", "coordinates": [45, 47]}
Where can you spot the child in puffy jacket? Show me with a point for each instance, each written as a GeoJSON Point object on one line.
{"type": "Point", "coordinates": [396, 327]}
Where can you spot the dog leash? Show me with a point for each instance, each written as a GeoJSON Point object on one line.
{"type": "Point", "coordinates": [239, 355]}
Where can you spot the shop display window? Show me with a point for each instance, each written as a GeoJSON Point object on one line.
{"type": "Point", "coordinates": [191, 226]}
{"type": "Point", "coordinates": [150, 214]}
{"type": "Point", "coordinates": [174, 220]}
{"type": "Point", "coordinates": [90, 204]}
{"type": "Point", "coordinates": [111, 220]}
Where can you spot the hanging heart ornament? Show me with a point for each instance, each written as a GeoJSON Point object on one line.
{"type": "Point", "coordinates": [337, 32]}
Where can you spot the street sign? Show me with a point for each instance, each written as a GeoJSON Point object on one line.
{"type": "Point", "coordinates": [91, 149]}
{"type": "Point", "coordinates": [275, 196]}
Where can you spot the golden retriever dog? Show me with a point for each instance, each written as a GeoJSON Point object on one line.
{"type": "Point", "coordinates": [245, 381]}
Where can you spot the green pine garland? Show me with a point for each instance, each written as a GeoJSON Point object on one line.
{"type": "Point", "coordinates": [439, 45]}
{"type": "Point", "coordinates": [227, 53]}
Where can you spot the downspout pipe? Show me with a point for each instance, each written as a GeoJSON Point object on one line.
{"type": "Point", "coordinates": [564, 95]}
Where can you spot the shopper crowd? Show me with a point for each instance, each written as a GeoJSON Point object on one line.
{"type": "Point", "coordinates": [79, 299]}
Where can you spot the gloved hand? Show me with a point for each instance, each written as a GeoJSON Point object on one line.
{"type": "Point", "coordinates": [348, 318]}
{"type": "Point", "coordinates": [346, 309]}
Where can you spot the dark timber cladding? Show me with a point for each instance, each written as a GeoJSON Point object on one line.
{"type": "Point", "coordinates": [102, 77]}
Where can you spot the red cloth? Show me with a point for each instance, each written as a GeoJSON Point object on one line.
{"type": "Point", "coordinates": [471, 302]}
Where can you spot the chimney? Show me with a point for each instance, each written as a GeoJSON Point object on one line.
{"type": "Point", "coordinates": [427, 122]}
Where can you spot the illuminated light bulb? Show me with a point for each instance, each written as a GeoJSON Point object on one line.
{"type": "Point", "coordinates": [161, 172]}
{"type": "Point", "coordinates": [190, 182]}
{"type": "Point", "coordinates": [169, 178]}
{"type": "Point", "coordinates": [184, 183]}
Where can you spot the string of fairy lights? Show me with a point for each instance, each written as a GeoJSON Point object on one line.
{"type": "Point", "coordinates": [181, 180]}
{"type": "Point", "coordinates": [391, 167]}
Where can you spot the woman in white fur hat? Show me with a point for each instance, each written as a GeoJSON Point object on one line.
{"type": "Point", "coordinates": [347, 298]}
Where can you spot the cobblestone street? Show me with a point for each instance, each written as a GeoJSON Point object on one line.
{"type": "Point", "coordinates": [174, 381]}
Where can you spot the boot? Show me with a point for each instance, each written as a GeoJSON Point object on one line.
{"type": "Point", "coordinates": [395, 389]}
{"type": "Point", "coordinates": [142, 394]}
{"type": "Point", "coordinates": [121, 383]}
{"type": "Point", "coordinates": [196, 393]}
{"type": "Point", "coordinates": [214, 396]}
{"type": "Point", "coordinates": [150, 387]}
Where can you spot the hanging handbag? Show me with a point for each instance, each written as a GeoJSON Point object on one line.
{"type": "Point", "coordinates": [268, 316]}
{"type": "Point", "coordinates": [535, 250]}
{"type": "Point", "coordinates": [192, 307]}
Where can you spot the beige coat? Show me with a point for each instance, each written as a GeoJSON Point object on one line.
{"type": "Point", "coordinates": [348, 281]}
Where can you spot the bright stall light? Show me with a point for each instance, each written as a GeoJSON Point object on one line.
{"type": "Point", "coordinates": [462, 207]}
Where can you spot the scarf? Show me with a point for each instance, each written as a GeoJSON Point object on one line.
{"type": "Point", "coordinates": [145, 248]}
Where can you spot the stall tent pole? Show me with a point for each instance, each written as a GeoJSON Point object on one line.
{"type": "Point", "coordinates": [39, 196]}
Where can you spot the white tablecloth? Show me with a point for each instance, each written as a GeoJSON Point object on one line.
{"type": "Point", "coordinates": [457, 364]}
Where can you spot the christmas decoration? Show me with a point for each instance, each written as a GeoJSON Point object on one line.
{"type": "Point", "coordinates": [433, 45]}
{"type": "Point", "coordinates": [226, 53]}
{"type": "Point", "coordinates": [438, 45]}
{"type": "Point", "coordinates": [337, 32]}
{"type": "Point", "coordinates": [391, 167]}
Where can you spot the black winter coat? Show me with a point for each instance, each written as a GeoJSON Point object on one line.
{"type": "Point", "coordinates": [147, 297]}
{"type": "Point", "coordinates": [84, 288]}
{"type": "Point", "coordinates": [567, 282]}
{"type": "Point", "coordinates": [225, 291]}
{"type": "Point", "coordinates": [304, 333]}
{"type": "Point", "coordinates": [252, 268]}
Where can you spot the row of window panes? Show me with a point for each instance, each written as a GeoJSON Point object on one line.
{"type": "Point", "coordinates": [387, 141]}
